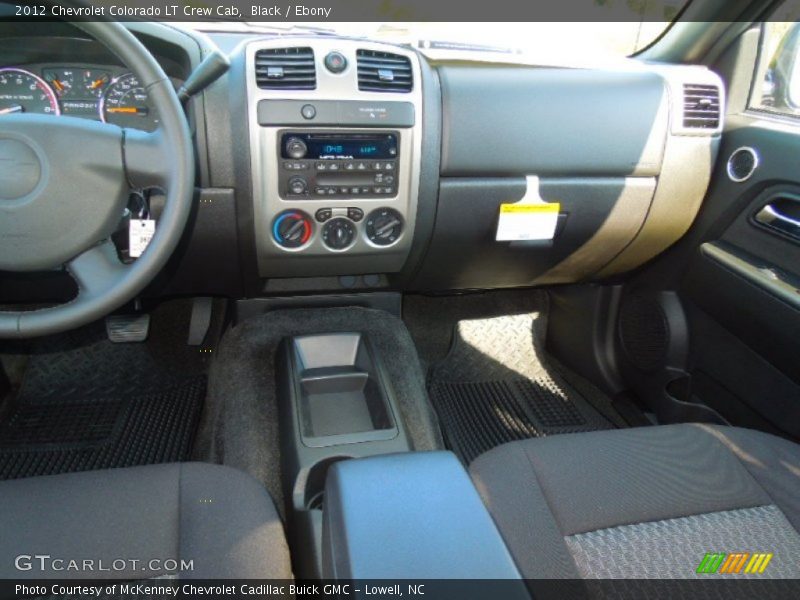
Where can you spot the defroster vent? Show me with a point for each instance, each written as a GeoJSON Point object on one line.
{"type": "Point", "coordinates": [383, 72]}
{"type": "Point", "coordinates": [286, 69]}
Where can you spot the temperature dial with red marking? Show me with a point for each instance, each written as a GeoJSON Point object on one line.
{"type": "Point", "coordinates": [292, 229]}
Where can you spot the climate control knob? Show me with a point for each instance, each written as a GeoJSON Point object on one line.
{"type": "Point", "coordinates": [339, 233]}
{"type": "Point", "coordinates": [295, 148]}
{"type": "Point", "coordinates": [292, 229]}
{"type": "Point", "coordinates": [384, 226]}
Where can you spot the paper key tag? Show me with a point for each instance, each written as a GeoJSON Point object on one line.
{"type": "Point", "coordinates": [527, 221]}
{"type": "Point", "coordinates": [140, 232]}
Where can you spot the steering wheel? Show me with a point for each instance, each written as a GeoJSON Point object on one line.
{"type": "Point", "coordinates": [64, 185]}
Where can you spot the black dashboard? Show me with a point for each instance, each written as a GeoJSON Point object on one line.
{"type": "Point", "coordinates": [371, 167]}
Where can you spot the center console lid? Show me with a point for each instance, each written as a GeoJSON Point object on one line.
{"type": "Point", "coordinates": [409, 516]}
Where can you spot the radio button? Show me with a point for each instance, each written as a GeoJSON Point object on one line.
{"type": "Point", "coordinates": [389, 166]}
{"type": "Point", "coordinates": [331, 191]}
{"type": "Point", "coordinates": [333, 167]}
{"type": "Point", "coordinates": [344, 190]}
{"type": "Point", "coordinates": [365, 190]}
{"type": "Point", "coordinates": [349, 166]}
{"type": "Point", "coordinates": [321, 166]}
{"type": "Point", "coordinates": [320, 191]}
{"type": "Point", "coordinates": [361, 166]}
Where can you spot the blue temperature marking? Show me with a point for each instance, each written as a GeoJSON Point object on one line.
{"type": "Point", "coordinates": [275, 231]}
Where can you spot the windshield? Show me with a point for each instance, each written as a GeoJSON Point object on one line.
{"type": "Point", "coordinates": [542, 42]}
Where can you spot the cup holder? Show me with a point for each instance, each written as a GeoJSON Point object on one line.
{"type": "Point", "coordinates": [314, 493]}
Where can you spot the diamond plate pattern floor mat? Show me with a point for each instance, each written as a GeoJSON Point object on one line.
{"type": "Point", "coordinates": [495, 386]}
{"type": "Point", "coordinates": [85, 403]}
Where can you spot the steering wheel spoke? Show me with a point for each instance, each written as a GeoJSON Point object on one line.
{"type": "Point", "coordinates": [97, 270]}
{"type": "Point", "coordinates": [144, 155]}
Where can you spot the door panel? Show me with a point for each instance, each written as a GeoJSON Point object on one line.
{"type": "Point", "coordinates": [741, 286]}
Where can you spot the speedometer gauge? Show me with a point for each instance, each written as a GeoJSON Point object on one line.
{"type": "Point", "coordinates": [127, 104]}
{"type": "Point", "coordinates": [24, 92]}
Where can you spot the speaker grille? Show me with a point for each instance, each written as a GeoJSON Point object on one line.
{"type": "Point", "coordinates": [644, 331]}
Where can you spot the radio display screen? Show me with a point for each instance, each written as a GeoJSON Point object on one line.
{"type": "Point", "coordinates": [354, 146]}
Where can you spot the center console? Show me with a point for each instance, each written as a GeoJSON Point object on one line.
{"type": "Point", "coordinates": [335, 138]}
{"type": "Point", "coordinates": [336, 403]}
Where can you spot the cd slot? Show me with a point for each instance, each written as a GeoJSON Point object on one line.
{"type": "Point", "coordinates": [346, 179]}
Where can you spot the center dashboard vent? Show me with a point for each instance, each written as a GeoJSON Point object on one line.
{"type": "Point", "coordinates": [701, 106]}
{"type": "Point", "coordinates": [383, 72]}
{"type": "Point", "coordinates": [286, 69]}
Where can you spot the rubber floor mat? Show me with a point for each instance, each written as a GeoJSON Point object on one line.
{"type": "Point", "coordinates": [494, 387]}
{"type": "Point", "coordinates": [85, 403]}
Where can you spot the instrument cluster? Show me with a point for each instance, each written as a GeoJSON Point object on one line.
{"type": "Point", "coordinates": [105, 93]}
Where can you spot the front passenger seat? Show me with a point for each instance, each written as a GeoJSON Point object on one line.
{"type": "Point", "coordinates": [213, 521]}
{"type": "Point", "coordinates": [646, 503]}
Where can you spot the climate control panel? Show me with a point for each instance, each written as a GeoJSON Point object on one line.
{"type": "Point", "coordinates": [338, 228]}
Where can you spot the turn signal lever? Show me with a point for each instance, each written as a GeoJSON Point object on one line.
{"type": "Point", "coordinates": [207, 72]}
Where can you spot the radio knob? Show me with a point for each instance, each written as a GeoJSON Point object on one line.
{"type": "Point", "coordinates": [296, 148]}
{"type": "Point", "coordinates": [298, 186]}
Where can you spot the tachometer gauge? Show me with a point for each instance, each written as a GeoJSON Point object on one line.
{"type": "Point", "coordinates": [24, 92]}
{"type": "Point", "coordinates": [127, 104]}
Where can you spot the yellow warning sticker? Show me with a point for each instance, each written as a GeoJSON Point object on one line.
{"type": "Point", "coordinates": [550, 207]}
{"type": "Point", "coordinates": [527, 221]}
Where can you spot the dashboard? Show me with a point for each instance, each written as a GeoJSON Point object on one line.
{"type": "Point", "coordinates": [329, 164]}
{"type": "Point", "coordinates": [106, 93]}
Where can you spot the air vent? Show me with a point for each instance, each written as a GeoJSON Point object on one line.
{"type": "Point", "coordinates": [701, 108]}
{"type": "Point", "coordinates": [383, 72]}
{"type": "Point", "coordinates": [286, 69]}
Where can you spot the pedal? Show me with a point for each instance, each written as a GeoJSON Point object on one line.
{"type": "Point", "coordinates": [126, 329]}
{"type": "Point", "coordinates": [200, 322]}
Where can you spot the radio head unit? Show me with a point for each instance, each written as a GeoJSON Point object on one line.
{"type": "Point", "coordinates": [337, 164]}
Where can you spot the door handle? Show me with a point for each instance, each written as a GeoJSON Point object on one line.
{"type": "Point", "coordinates": [775, 217]}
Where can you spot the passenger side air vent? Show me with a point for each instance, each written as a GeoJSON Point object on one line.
{"type": "Point", "coordinates": [383, 72]}
{"type": "Point", "coordinates": [286, 69]}
{"type": "Point", "coordinates": [701, 109]}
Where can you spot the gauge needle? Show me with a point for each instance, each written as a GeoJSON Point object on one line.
{"type": "Point", "coordinates": [59, 86]}
{"type": "Point", "coordinates": [17, 108]}
{"type": "Point", "coordinates": [97, 83]}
